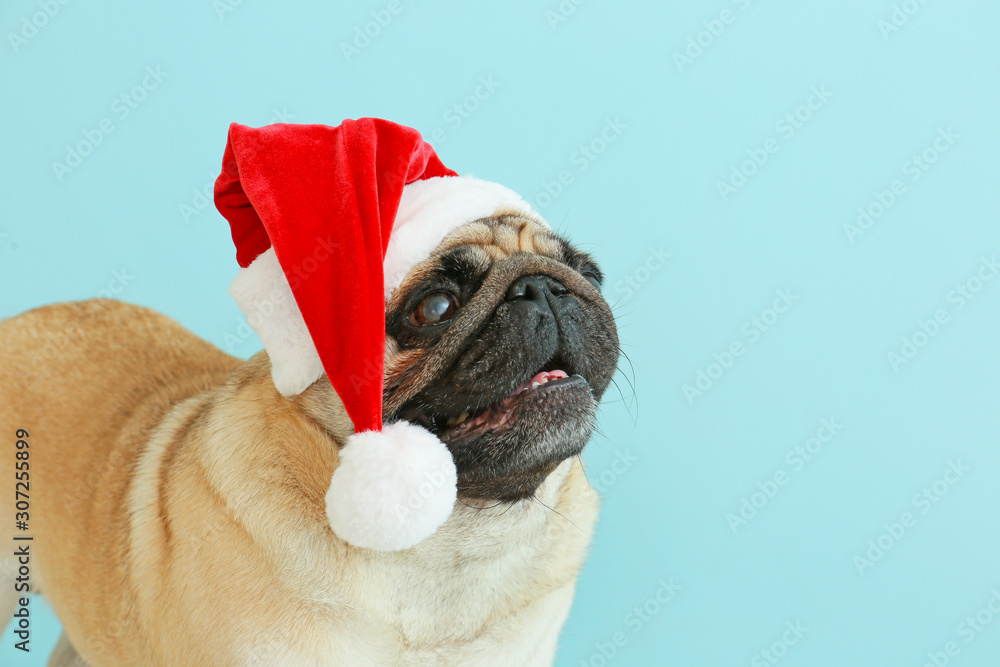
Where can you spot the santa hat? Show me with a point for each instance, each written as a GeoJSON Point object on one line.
{"type": "Point", "coordinates": [327, 222]}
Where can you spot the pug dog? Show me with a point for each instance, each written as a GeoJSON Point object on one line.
{"type": "Point", "coordinates": [177, 499]}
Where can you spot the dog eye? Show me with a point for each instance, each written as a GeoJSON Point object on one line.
{"type": "Point", "coordinates": [434, 309]}
{"type": "Point", "coordinates": [593, 279]}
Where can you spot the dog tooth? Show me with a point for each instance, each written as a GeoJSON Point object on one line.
{"type": "Point", "coordinates": [458, 420]}
{"type": "Point", "coordinates": [534, 384]}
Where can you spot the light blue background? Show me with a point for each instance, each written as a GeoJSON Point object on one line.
{"type": "Point", "coordinates": [654, 187]}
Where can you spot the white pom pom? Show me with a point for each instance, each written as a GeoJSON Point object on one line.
{"type": "Point", "coordinates": [392, 489]}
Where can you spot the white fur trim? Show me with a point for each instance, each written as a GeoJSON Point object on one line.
{"type": "Point", "coordinates": [392, 489]}
{"type": "Point", "coordinates": [262, 292]}
{"type": "Point", "coordinates": [431, 209]}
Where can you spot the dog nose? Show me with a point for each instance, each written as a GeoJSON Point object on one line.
{"type": "Point", "coordinates": [535, 290]}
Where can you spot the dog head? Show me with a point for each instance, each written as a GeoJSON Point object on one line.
{"type": "Point", "coordinates": [501, 344]}
{"type": "Point", "coordinates": [498, 343]}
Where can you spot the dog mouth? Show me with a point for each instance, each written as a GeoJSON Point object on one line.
{"type": "Point", "coordinates": [548, 387]}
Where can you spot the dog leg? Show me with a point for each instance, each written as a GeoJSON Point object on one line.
{"type": "Point", "coordinates": [64, 655]}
